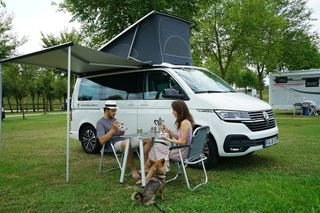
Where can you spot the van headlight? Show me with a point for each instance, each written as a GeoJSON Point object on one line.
{"type": "Point", "coordinates": [227, 115]}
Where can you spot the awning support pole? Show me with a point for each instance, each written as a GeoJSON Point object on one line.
{"type": "Point", "coordinates": [68, 113]}
{"type": "Point", "coordinates": [1, 102]}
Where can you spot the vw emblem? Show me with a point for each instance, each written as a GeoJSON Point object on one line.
{"type": "Point", "coordinates": [265, 116]}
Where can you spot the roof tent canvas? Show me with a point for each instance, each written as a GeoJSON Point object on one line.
{"type": "Point", "coordinates": [156, 38]}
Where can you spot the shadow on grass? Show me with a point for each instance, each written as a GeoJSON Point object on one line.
{"type": "Point", "coordinates": [246, 162]}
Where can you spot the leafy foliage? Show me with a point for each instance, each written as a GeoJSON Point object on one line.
{"type": "Point", "coordinates": [217, 38]}
{"type": "Point", "coordinates": [49, 40]}
{"type": "Point", "coordinates": [300, 51]}
{"type": "Point", "coordinates": [264, 35]}
{"type": "Point", "coordinates": [8, 40]}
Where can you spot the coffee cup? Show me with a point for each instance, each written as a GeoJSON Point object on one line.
{"type": "Point", "coordinates": [153, 129]}
{"type": "Point", "coordinates": [122, 127]}
{"type": "Point", "coordinates": [139, 131]}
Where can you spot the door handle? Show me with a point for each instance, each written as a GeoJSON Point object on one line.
{"type": "Point", "coordinates": [144, 105]}
{"type": "Point", "coordinates": [130, 104]}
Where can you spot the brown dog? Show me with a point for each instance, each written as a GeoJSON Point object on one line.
{"type": "Point", "coordinates": [155, 184]}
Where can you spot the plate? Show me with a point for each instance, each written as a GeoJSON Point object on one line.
{"type": "Point", "coordinates": [270, 141]}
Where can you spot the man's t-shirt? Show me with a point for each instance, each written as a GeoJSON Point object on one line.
{"type": "Point", "coordinates": [103, 126]}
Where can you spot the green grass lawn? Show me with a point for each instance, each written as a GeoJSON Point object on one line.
{"type": "Point", "coordinates": [282, 178]}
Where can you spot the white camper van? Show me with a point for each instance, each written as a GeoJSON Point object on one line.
{"type": "Point", "coordinates": [239, 124]}
{"type": "Point", "coordinates": [289, 88]}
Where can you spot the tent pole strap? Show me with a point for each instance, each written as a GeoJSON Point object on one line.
{"type": "Point", "coordinates": [68, 113]}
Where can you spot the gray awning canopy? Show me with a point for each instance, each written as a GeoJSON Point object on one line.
{"type": "Point", "coordinates": [72, 58]}
{"type": "Point", "coordinates": [84, 60]}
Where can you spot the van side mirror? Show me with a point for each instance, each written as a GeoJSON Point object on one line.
{"type": "Point", "coordinates": [172, 94]}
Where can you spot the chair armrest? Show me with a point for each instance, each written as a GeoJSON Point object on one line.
{"type": "Point", "coordinates": [179, 146]}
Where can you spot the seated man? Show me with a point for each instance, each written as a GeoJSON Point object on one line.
{"type": "Point", "coordinates": [107, 131]}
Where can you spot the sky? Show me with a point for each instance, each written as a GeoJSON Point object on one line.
{"type": "Point", "coordinates": [30, 17]}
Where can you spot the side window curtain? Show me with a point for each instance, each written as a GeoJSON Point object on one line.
{"type": "Point", "coordinates": [156, 82]}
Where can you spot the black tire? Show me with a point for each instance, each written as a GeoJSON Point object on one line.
{"type": "Point", "coordinates": [89, 140]}
{"type": "Point", "coordinates": [211, 152]}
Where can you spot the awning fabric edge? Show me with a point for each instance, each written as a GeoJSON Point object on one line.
{"type": "Point", "coordinates": [84, 60]}
{"type": "Point", "coordinates": [49, 49]}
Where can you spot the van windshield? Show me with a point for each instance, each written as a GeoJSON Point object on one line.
{"type": "Point", "coordinates": [201, 81]}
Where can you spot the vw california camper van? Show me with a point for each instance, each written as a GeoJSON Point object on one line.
{"type": "Point", "coordinates": [239, 124]}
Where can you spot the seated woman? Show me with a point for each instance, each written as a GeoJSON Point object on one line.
{"type": "Point", "coordinates": [184, 124]}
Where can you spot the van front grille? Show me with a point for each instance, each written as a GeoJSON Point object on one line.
{"type": "Point", "coordinates": [260, 120]}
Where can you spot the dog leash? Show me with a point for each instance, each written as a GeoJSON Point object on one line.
{"type": "Point", "coordinates": [156, 205]}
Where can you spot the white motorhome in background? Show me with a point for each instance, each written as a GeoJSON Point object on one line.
{"type": "Point", "coordinates": [288, 88]}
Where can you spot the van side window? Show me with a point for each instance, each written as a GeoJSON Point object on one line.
{"type": "Point", "coordinates": [156, 82]}
{"type": "Point", "coordinates": [89, 90]}
{"type": "Point", "coordinates": [281, 80]}
{"type": "Point", "coordinates": [111, 87]}
{"type": "Point", "coordinates": [312, 82]}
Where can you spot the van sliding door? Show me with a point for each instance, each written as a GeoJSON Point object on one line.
{"type": "Point", "coordinates": [124, 89]}
{"type": "Point", "coordinates": [154, 105]}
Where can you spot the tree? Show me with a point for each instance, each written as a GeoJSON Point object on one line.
{"type": "Point", "coordinates": [8, 44]}
{"type": "Point", "coordinates": [247, 78]}
{"type": "Point", "coordinates": [269, 22]}
{"type": "Point", "coordinates": [102, 20]}
{"type": "Point", "coordinates": [300, 51]}
{"type": "Point", "coordinates": [217, 37]}
{"type": "Point", "coordinates": [8, 40]}
{"type": "Point", "coordinates": [60, 89]}
{"type": "Point", "coordinates": [20, 79]}
{"type": "Point", "coordinates": [7, 86]}
{"type": "Point", "coordinates": [45, 86]}
{"type": "Point", "coordinates": [33, 75]}
{"type": "Point", "coordinates": [262, 43]}
{"type": "Point", "coordinates": [49, 40]}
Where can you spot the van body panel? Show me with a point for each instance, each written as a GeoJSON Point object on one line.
{"type": "Point", "coordinates": [92, 108]}
{"type": "Point", "coordinates": [149, 110]}
{"type": "Point", "coordinates": [128, 114]}
{"type": "Point", "coordinates": [234, 101]}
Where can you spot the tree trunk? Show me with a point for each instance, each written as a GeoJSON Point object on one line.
{"type": "Point", "coordinates": [223, 74]}
{"type": "Point", "coordinates": [47, 104]}
{"type": "Point", "coordinates": [38, 101]}
{"type": "Point", "coordinates": [50, 104]}
{"type": "Point", "coordinates": [10, 107]}
{"type": "Point", "coordinates": [33, 106]}
{"type": "Point", "coordinates": [44, 104]}
{"type": "Point", "coordinates": [17, 104]}
{"type": "Point", "coordinates": [260, 79]}
{"type": "Point", "coordinates": [21, 109]}
{"type": "Point", "coordinates": [26, 105]}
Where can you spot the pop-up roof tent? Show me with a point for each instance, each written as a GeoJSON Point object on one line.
{"type": "Point", "coordinates": [156, 38]}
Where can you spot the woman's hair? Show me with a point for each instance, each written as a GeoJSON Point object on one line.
{"type": "Point", "coordinates": [182, 112]}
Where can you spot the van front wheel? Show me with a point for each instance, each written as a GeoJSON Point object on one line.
{"type": "Point", "coordinates": [211, 152]}
{"type": "Point", "coordinates": [89, 141]}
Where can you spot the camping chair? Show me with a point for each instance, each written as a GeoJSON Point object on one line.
{"type": "Point", "coordinates": [296, 107]}
{"type": "Point", "coordinates": [311, 107]}
{"type": "Point", "coordinates": [117, 154]}
{"type": "Point", "coordinates": [195, 155]}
